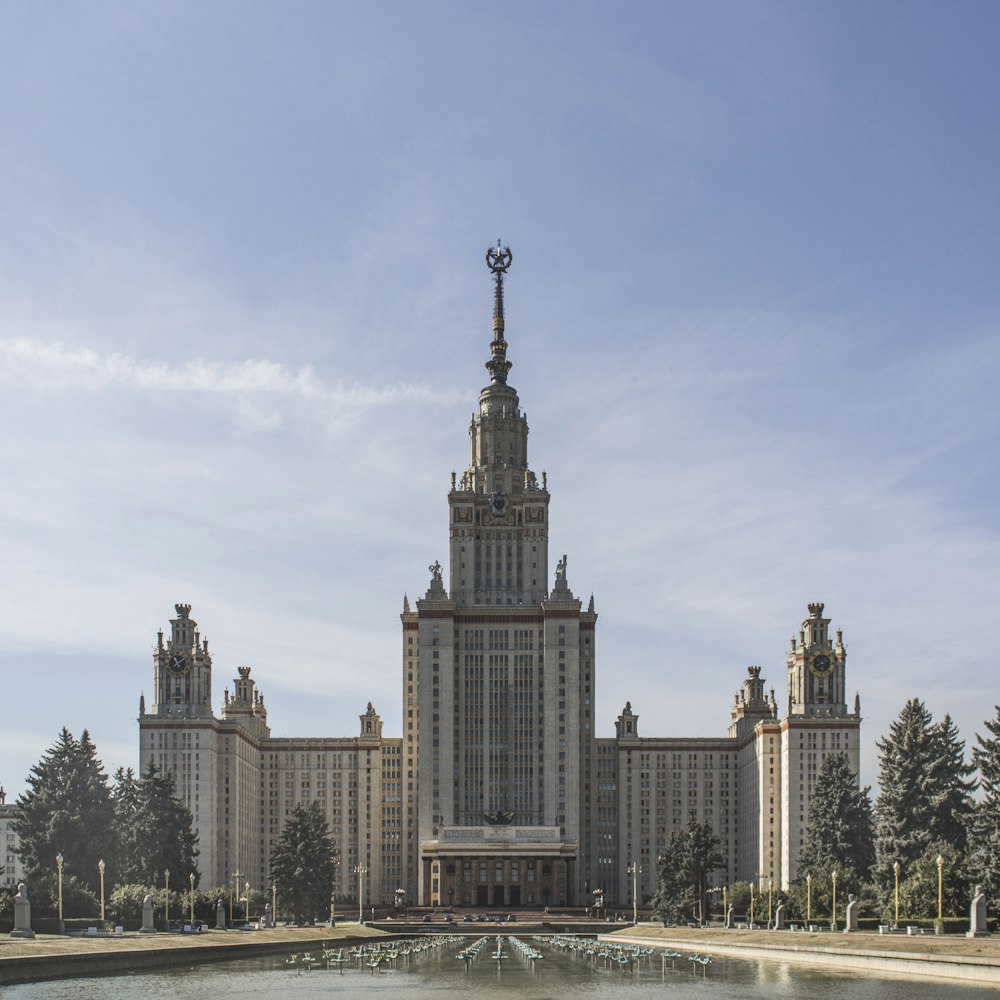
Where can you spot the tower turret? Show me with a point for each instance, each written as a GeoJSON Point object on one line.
{"type": "Point", "coordinates": [499, 514]}
{"type": "Point", "coordinates": [182, 669]}
{"type": "Point", "coordinates": [816, 661]}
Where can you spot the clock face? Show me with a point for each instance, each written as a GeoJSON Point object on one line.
{"type": "Point", "coordinates": [821, 664]}
{"type": "Point", "coordinates": [177, 663]}
{"type": "Point", "coordinates": [498, 504]}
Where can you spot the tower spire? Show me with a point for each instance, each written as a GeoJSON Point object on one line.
{"type": "Point", "coordinates": [498, 260]}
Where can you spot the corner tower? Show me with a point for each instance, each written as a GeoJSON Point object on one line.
{"type": "Point", "coordinates": [818, 723]}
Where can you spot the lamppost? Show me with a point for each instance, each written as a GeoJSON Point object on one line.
{"type": "Point", "coordinates": [940, 864]}
{"type": "Point", "coordinates": [59, 864]}
{"type": "Point", "coordinates": [770, 901]}
{"type": "Point", "coordinates": [335, 860]}
{"type": "Point", "coordinates": [191, 881]}
{"type": "Point", "coordinates": [725, 904]}
{"type": "Point", "coordinates": [634, 869]}
{"type": "Point", "coordinates": [166, 898]}
{"type": "Point", "coordinates": [235, 877]}
{"type": "Point", "coordinates": [760, 889]}
{"type": "Point", "coordinates": [361, 871]}
{"type": "Point", "coordinates": [809, 898]}
{"type": "Point", "coordinates": [100, 868]}
{"type": "Point", "coordinates": [895, 869]}
{"type": "Point", "coordinates": [246, 917]}
{"type": "Point", "coordinates": [751, 906]}
{"type": "Point", "coordinates": [833, 921]}
{"type": "Point", "coordinates": [274, 903]}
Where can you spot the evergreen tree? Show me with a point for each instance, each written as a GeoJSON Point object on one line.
{"type": "Point", "coordinates": [683, 872]}
{"type": "Point", "coordinates": [986, 821]}
{"type": "Point", "coordinates": [841, 832]}
{"type": "Point", "coordinates": [926, 794]}
{"type": "Point", "coordinates": [125, 796]}
{"type": "Point", "coordinates": [955, 803]}
{"type": "Point", "coordinates": [66, 809]}
{"type": "Point", "coordinates": [302, 863]}
{"type": "Point", "coordinates": [153, 828]}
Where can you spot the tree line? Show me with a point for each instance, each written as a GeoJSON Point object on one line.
{"type": "Point", "coordinates": [926, 832]}
{"type": "Point", "coordinates": [137, 826]}
{"type": "Point", "coordinates": [134, 824]}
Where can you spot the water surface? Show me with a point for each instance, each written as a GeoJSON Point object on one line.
{"type": "Point", "coordinates": [560, 975]}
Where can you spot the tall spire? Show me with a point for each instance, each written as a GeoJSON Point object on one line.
{"type": "Point", "coordinates": [498, 260]}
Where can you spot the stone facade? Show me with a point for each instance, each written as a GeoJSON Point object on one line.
{"type": "Point", "coordinates": [499, 792]}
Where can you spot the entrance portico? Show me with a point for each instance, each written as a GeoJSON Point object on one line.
{"type": "Point", "coordinates": [499, 866]}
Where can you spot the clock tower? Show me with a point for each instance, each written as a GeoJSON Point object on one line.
{"type": "Point", "coordinates": [817, 724]}
{"type": "Point", "coordinates": [816, 669]}
{"type": "Point", "coordinates": [182, 670]}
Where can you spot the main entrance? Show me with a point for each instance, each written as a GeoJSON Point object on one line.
{"type": "Point", "coordinates": [498, 866]}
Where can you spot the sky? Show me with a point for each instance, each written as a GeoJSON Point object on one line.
{"type": "Point", "coordinates": [244, 313]}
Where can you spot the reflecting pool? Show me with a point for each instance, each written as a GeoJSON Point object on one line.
{"type": "Point", "coordinates": [496, 971]}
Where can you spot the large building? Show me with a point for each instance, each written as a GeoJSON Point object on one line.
{"type": "Point", "coordinates": [499, 792]}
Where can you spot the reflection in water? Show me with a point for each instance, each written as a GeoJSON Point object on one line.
{"type": "Point", "coordinates": [560, 974]}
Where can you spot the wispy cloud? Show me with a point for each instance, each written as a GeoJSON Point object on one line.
{"type": "Point", "coordinates": [37, 365]}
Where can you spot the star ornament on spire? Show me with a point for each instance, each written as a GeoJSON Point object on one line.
{"type": "Point", "coordinates": [499, 260]}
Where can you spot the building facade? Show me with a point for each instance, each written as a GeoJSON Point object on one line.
{"type": "Point", "coordinates": [499, 793]}
{"type": "Point", "coordinates": [11, 870]}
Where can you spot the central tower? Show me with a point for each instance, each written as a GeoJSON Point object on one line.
{"type": "Point", "coordinates": [498, 681]}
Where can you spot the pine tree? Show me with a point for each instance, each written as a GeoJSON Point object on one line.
{"type": "Point", "coordinates": [154, 829]}
{"type": "Point", "coordinates": [95, 814]}
{"type": "Point", "coordinates": [926, 797]}
{"type": "Point", "coordinates": [683, 871]}
{"type": "Point", "coordinates": [125, 795]}
{"type": "Point", "coordinates": [955, 802]}
{"type": "Point", "coordinates": [302, 862]}
{"type": "Point", "coordinates": [841, 833]}
{"type": "Point", "coordinates": [986, 821]}
{"type": "Point", "coordinates": [66, 810]}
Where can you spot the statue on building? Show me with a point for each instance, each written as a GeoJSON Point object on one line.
{"type": "Point", "coordinates": [435, 570]}
{"type": "Point", "coordinates": [502, 817]}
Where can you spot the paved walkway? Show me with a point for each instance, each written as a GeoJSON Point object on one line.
{"type": "Point", "coordinates": [948, 957]}
{"type": "Point", "coordinates": [52, 956]}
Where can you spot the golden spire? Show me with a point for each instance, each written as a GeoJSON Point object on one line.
{"type": "Point", "coordinates": [498, 260]}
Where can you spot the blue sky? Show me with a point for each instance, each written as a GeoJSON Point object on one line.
{"type": "Point", "coordinates": [753, 316]}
